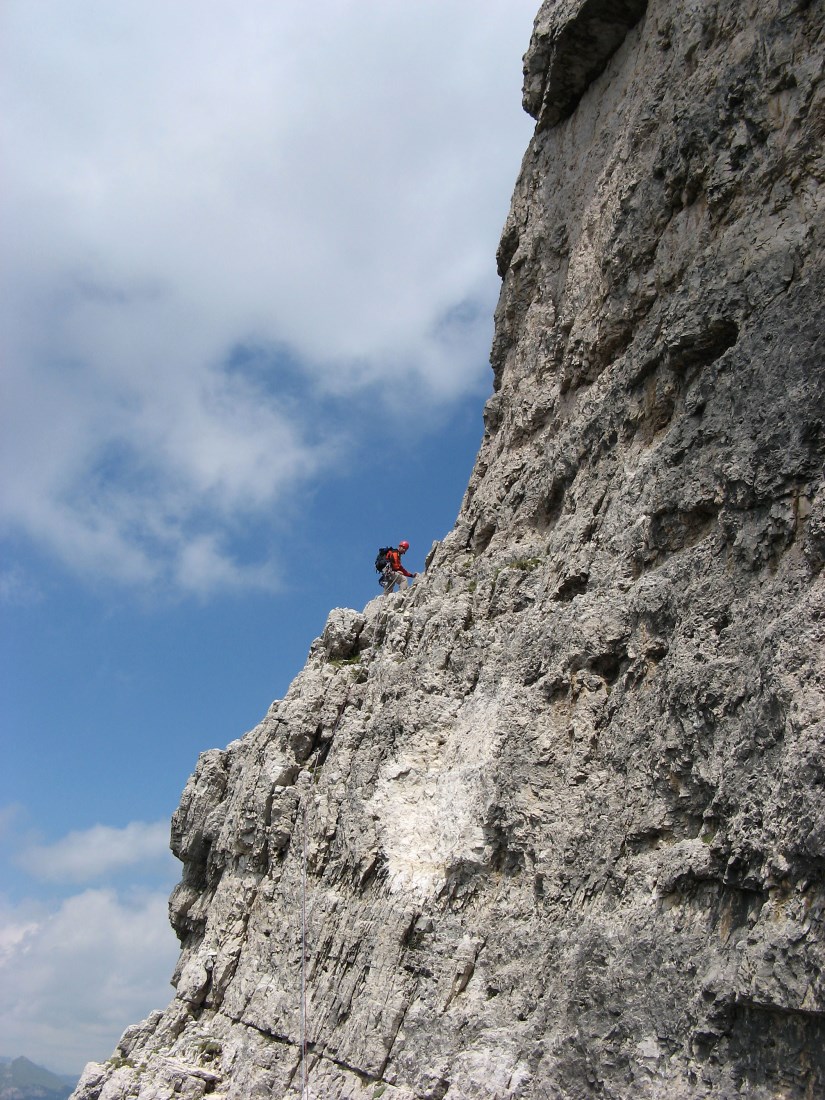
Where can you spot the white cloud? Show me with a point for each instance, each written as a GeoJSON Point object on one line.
{"type": "Point", "coordinates": [324, 182]}
{"type": "Point", "coordinates": [90, 854]}
{"type": "Point", "coordinates": [74, 977]}
{"type": "Point", "coordinates": [13, 933]}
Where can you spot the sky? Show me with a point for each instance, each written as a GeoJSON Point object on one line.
{"type": "Point", "coordinates": [247, 256]}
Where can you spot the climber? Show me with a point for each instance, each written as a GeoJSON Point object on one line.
{"type": "Point", "coordinates": [394, 572]}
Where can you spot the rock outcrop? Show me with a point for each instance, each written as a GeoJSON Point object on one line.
{"type": "Point", "coordinates": [552, 824]}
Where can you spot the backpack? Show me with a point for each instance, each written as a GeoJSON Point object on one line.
{"type": "Point", "coordinates": [381, 559]}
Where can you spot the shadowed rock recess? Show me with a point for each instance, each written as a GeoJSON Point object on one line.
{"type": "Point", "coordinates": [562, 803]}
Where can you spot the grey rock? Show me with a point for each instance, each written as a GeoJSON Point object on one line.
{"type": "Point", "coordinates": [551, 823]}
{"type": "Point", "coordinates": [572, 42]}
{"type": "Point", "coordinates": [342, 633]}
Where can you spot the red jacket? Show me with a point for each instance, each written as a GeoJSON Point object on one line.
{"type": "Point", "coordinates": [394, 562]}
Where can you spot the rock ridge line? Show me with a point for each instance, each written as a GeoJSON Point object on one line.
{"type": "Point", "coordinates": [564, 800]}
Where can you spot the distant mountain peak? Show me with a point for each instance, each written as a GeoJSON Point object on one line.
{"type": "Point", "coordinates": [22, 1079]}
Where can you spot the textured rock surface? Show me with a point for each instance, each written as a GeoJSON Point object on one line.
{"type": "Point", "coordinates": [562, 803]}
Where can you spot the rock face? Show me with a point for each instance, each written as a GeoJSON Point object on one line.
{"type": "Point", "coordinates": [552, 824]}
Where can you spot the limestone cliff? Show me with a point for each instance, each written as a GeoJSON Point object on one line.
{"type": "Point", "coordinates": [561, 806]}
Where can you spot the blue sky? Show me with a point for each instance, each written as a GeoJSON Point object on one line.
{"type": "Point", "coordinates": [248, 278]}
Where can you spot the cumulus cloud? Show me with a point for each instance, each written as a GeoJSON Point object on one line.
{"type": "Point", "coordinates": [14, 931]}
{"type": "Point", "coordinates": [317, 187]}
{"type": "Point", "coordinates": [73, 977]}
{"type": "Point", "coordinates": [90, 854]}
